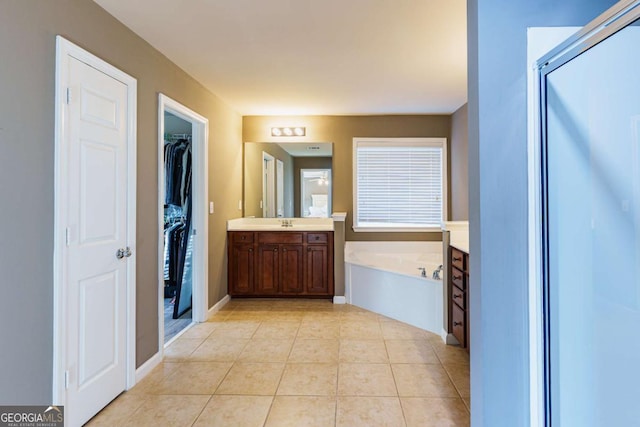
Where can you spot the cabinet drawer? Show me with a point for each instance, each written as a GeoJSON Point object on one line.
{"type": "Point", "coordinates": [458, 278]}
{"type": "Point", "coordinates": [280, 237]}
{"type": "Point", "coordinates": [317, 238]}
{"type": "Point", "coordinates": [458, 324]}
{"type": "Point", "coordinates": [242, 236]}
{"type": "Point", "coordinates": [458, 297]}
{"type": "Point", "coordinates": [458, 259]}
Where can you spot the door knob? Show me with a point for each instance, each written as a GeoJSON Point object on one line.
{"type": "Point", "coordinates": [123, 253]}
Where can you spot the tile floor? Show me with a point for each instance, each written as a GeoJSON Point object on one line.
{"type": "Point", "coordinates": [299, 363]}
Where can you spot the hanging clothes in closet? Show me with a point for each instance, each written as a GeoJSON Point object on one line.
{"type": "Point", "coordinates": [177, 168]}
{"type": "Point", "coordinates": [177, 222]}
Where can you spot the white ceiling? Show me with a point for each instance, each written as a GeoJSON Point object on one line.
{"type": "Point", "coordinates": [291, 57]}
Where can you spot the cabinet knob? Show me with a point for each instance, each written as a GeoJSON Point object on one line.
{"type": "Point", "coordinates": [284, 250]}
{"type": "Point", "coordinates": [457, 323]}
{"type": "Point", "coordinates": [457, 296]}
{"type": "Point", "coordinates": [251, 250]}
{"type": "Point", "coordinates": [457, 259]}
{"type": "Point", "coordinates": [275, 250]}
{"type": "Point", "coordinates": [308, 249]}
{"type": "Point", "coordinates": [457, 277]}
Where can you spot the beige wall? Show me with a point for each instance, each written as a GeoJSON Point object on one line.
{"type": "Point", "coordinates": [341, 130]}
{"type": "Point", "coordinates": [27, 46]}
{"type": "Point", "coordinates": [253, 177]}
{"type": "Point", "coordinates": [459, 165]}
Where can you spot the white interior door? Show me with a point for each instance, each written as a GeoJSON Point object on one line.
{"type": "Point", "coordinates": [96, 293]}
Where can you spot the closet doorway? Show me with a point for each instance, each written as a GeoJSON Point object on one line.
{"type": "Point", "coordinates": [183, 194]}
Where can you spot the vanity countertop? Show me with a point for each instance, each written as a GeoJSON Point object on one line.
{"type": "Point", "coordinates": [275, 224]}
{"type": "Point", "coordinates": [458, 234]}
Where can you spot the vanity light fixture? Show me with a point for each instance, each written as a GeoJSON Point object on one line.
{"type": "Point", "coordinates": [289, 131]}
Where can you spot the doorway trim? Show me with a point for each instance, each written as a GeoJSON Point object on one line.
{"type": "Point", "coordinates": [268, 186]}
{"type": "Point", "coordinates": [65, 50]}
{"type": "Point", "coordinates": [200, 183]}
{"type": "Point", "coordinates": [280, 209]}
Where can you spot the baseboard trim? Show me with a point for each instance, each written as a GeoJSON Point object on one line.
{"type": "Point", "coordinates": [449, 339]}
{"type": "Point", "coordinates": [339, 300]}
{"type": "Point", "coordinates": [148, 366]}
{"type": "Point", "coordinates": [216, 308]}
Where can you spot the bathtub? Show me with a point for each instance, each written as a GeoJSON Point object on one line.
{"type": "Point", "coordinates": [384, 277]}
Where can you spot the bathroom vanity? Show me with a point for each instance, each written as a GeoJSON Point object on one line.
{"type": "Point", "coordinates": [267, 259]}
{"type": "Point", "coordinates": [455, 238]}
{"type": "Point", "coordinates": [459, 302]}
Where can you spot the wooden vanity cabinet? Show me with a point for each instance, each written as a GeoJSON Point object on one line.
{"type": "Point", "coordinates": [459, 295]}
{"type": "Point", "coordinates": [241, 264]}
{"type": "Point", "coordinates": [318, 273]}
{"type": "Point", "coordinates": [279, 269]}
{"type": "Point", "coordinates": [284, 264]}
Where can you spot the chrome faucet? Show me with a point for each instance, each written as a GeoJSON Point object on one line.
{"type": "Point", "coordinates": [436, 273]}
{"type": "Point", "coordinates": [423, 271]}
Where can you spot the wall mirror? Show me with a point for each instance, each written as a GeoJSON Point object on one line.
{"type": "Point", "coordinates": [288, 179]}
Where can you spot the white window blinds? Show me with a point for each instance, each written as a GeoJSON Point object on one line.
{"type": "Point", "coordinates": [399, 182]}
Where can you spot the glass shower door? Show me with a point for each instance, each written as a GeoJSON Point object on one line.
{"type": "Point", "coordinates": [591, 211]}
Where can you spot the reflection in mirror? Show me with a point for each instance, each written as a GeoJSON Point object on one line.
{"type": "Point", "coordinates": [273, 179]}
{"type": "Point", "coordinates": [316, 187]}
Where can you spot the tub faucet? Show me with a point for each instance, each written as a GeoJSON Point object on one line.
{"type": "Point", "coordinates": [423, 271]}
{"type": "Point", "coordinates": [436, 273]}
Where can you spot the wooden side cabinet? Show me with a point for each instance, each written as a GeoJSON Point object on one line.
{"type": "Point", "coordinates": [459, 295]}
{"type": "Point", "coordinates": [280, 263]}
{"type": "Point", "coordinates": [318, 279]}
{"type": "Point", "coordinates": [241, 266]}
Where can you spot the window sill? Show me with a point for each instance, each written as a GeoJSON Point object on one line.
{"type": "Point", "coordinates": [396, 229]}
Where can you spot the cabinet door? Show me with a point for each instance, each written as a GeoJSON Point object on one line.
{"type": "Point", "coordinates": [291, 269]}
{"type": "Point", "coordinates": [242, 269]}
{"type": "Point", "coordinates": [459, 327]}
{"type": "Point", "coordinates": [317, 269]}
{"type": "Point", "coordinates": [268, 270]}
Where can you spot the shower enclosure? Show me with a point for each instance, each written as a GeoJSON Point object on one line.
{"type": "Point", "coordinates": [590, 228]}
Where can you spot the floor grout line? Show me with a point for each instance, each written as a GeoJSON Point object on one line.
{"type": "Point", "coordinates": [305, 314]}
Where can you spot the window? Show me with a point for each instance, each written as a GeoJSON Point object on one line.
{"type": "Point", "coordinates": [400, 184]}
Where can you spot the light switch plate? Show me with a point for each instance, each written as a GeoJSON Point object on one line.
{"type": "Point", "coordinates": [211, 210]}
